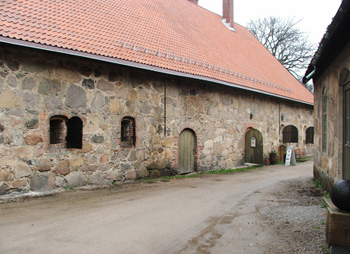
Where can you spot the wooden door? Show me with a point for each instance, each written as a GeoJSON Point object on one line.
{"type": "Point", "coordinates": [186, 161]}
{"type": "Point", "coordinates": [281, 152]}
{"type": "Point", "coordinates": [346, 134]}
{"type": "Point", "coordinates": [254, 147]}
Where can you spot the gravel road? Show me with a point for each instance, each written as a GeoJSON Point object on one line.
{"type": "Point", "coordinates": [273, 209]}
{"type": "Point", "coordinates": [295, 216]}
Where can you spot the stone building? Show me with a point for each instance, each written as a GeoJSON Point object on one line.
{"type": "Point", "coordinates": [329, 70]}
{"type": "Point", "coordinates": [99, 92]}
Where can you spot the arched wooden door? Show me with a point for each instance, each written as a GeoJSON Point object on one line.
{"type": "Point", "coordinates": [187, 144]}
{"type": "Point", "coordinates": [254, 147]}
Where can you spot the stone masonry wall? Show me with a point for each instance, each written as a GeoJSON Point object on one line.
{"type": "Point", "coordinates": [328, 167]}
{"type": "Point", "coordinates": [36, 85]}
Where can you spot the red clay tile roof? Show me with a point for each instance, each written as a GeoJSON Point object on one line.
{"type": "Point", "coordinates": [170, 34]}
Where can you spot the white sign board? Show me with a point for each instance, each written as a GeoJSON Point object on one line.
{"type": "Point", "coordinates": [253, 142]}
{"type": "Point", "coordinates": [290, 157]}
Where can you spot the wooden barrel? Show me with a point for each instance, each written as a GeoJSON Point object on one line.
{"type": "Point", "coordinates": [273, 158]}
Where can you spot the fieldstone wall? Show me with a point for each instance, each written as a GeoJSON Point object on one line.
{"type": "Point", "coordinates": [328, 167]}
{"type": "Point", "coordinates": [36, 85]}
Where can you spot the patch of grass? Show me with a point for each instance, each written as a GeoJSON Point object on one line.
{"type": "Point", "coordinates": [317, 183]}
{"type": "Point", "coordinates": [303, 159]}
{"type": "Point", "coordinates": [211, 172]}
{"type": "Point", "coordinates": [320, 186]}
{"type": "Point", "coordinates": [68, 187]}
{"type": "Point", "coordinates": [325, 249]}
{"type": "Point", "coordinates": [167, 178]}
{"type": "Point", "coordinates": [326, 194]}
{"type": "Point", "coordinates": [226, 171]}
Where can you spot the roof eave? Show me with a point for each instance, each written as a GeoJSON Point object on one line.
{"type": "Point", "coordinates": [337, 34]}
{"type": "Point", "coordinates": [54, 49]}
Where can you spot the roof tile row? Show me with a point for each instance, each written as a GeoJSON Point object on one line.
{"type": "Point", "coordinates": [176, 28]}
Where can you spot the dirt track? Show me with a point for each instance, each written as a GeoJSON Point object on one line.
{"type": "Point", "coordinates": [274, 209]}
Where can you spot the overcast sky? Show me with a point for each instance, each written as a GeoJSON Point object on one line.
{"type": "Point", "coordinates": [316, 15]}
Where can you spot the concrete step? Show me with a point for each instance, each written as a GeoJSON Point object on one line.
{"type": "Point", "coordinates": [339, 250]}
{"type": "Point", "coordinates": [251, 165]}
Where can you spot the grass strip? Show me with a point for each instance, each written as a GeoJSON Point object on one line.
{"type": "Point", "coordinates": [210, 172]}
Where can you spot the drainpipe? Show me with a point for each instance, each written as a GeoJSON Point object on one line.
{"type": "Point", "coordinates": [311, 74]}
{"type": "Point", "coordinates": [165, 134]}
{"type": "Point", "coordinates": [279, 121]}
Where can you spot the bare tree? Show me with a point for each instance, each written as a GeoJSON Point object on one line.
{"type": "Point", "coordinates": [285, 41]}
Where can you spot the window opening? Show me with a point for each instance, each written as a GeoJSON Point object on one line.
{"type": "Point", "coordinates": [57, 130]}
{"type": "Point", "coordinates": [128, 132]}
{"type": "Point", "coordinates": [347, 117]}
{"type": "Point", "coordinates": [290, 134]}
{"type": "Point", "coordinates": [66, 132]}
{"type": "Point", "coordinates": [346, 130]}
{"type": "Point", "coordinates": [310, 135]}
{"type": "Point", "coordinates": [324, 121]}
{"type": "Point", "coordinates": [75, 133]}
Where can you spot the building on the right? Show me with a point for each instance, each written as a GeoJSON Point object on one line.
{"type": "Point", "coordinates": [330, 72]}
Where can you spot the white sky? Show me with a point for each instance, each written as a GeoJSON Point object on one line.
{"type": "Point", "coordinates": [316, 15]}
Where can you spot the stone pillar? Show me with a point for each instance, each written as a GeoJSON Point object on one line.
{"type": "Point", "coordinates": [337, 226]}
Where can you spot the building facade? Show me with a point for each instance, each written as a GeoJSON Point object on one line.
{"type": "Point", "coordinates": [66, 121]}
{"type": "Point", "coordinates": [330, 72]}
{"type": "Point", "coordinates": [75, 114]}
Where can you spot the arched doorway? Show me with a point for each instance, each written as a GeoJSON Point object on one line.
{"type": "Point", "coordinates": [187, 151]}
{"type": "Point", "coordinates": [254, 147]}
